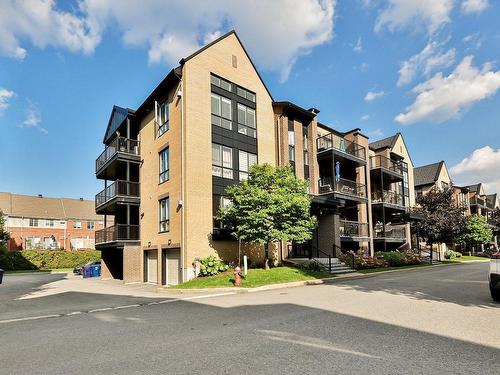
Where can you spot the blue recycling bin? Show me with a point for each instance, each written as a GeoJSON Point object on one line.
{"type": "Point", "coordinates": [96, 270]}
{"type": "Point", "coordinates": [86, 271]}
{"type": "Point", "coordinates": [1, 275]}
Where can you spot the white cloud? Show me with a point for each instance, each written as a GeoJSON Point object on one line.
{"type": "Point", "coordinates": [372, 95]}
{"type": "Point", "coordinates": [376, 133]}
{"type": "Point", "coordinates": [445, 97]}
{"type": "Point", "coordinates": [172, 30]}
{"type": "Point", "coordinates": [480, 166]}
{"type": "Point", "coordinates": [42, 24]}
{"type": "Point", "coordinates": [33, 118]}
{"type": "Point", "coordinates": [5, 95]}
{"type": "Point", "coordinates": [359, 46]}
{"type": "Point", "coordinates": [428, 15]}
{"type": "Point", "coordinates": [474, 6]}
{"type": "Point", "coordinates": [365, 118]}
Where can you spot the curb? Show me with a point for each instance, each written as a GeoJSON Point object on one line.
{"type": "Point", "coordinates": [34, 273]}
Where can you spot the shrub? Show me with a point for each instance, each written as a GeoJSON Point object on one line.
{"type": "Point", "coordinates": [361, 261]}
{"type": "Point", "coordinates": [450, 254]}
{"type": "Point", "coordinates": [212, 265]}
{"type": "Point", "coordinates": [46, 259]}
{"type": "Point", "coordinates": [392, 258]}
{"type": "Point", "coordinates": [312, 265]}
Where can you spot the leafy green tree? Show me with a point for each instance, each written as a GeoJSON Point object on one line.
{"type": "Point", "coordinates": [4, 235]}
{"type": "Point", "coordinates": [443, 220]}
{"type": "Point", "coordinates": [476, 231]}
{"type": "Point", "coordinates": [271, 205]}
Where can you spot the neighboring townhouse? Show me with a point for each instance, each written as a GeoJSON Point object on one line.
{"type": "Point", "coordinates": [38, 222]}
{"type": "Point", "coordinates": [392, 192]}
{"type": "Point", "coordinates": [431, 176]}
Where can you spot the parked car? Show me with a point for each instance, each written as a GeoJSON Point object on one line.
{"type": "Point", "coordinates": [494, 276]}
{"type": "Point", "coordinates": [78, 270]}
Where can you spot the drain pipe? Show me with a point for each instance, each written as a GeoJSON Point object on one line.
{"type": "Point", "coordinates": [180, 93]}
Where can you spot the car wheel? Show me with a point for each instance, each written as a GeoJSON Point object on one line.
{"type": "Point", "coordinates": [495, 294]}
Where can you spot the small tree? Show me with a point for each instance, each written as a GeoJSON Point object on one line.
{"type": "Point", "coordinates": [4, 235]}
{"type": "Point", "coordinates": [443, 220]}
{"type": "Point", "coordinates": [476, 231]}
{"type": "Point", "coordinates": [272, 205]}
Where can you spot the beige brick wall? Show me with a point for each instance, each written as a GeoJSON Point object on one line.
{"type": "Point", "coordinates": [133, 269]}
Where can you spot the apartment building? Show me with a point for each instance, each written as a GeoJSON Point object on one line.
{"type": "Point", "coordinates": [38, 222]}
{"type": "Point", "coordinates": [431, 176]}
{"type": "Point", "coordinates": [165, 167]}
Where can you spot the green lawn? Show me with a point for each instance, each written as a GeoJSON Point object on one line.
{"type": "Point", "coordinates": [255, 278]}
{"type": "Point", "coordinates": [56, 270]}
{"type": "Point", "coordinates": [465, 258]}
{"type": "Point", "coordinates": [373, 270]}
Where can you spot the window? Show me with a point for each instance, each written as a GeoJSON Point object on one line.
{"type": "Point", "coordinates": [221, 112]}
{"type": "Point", "coordinates": [33, 222]}
{"type": "Point", "coordinates": [49, 222]}
{"type": "Point", "coordinates": [162, 117]}
{"type": "Point", "coordinates": [246, 161]}
{"type": "Point", "coordinates": [218, 202]}
{"type": "Point", "coordinates": [246, 121]}
{"type": "Point", "coordinates": [291, 141]}
{"type": "Point", "coordinates": [164, 165]}
{"type": "Point", "coordinates": [245, 94]}
{"type": "Point", "coordinates": [90, 224]}
{"type": "Point", "coordinates": [77, 224]}
{"type": "Point", "coordinates": [444, 185]}
{"type": "Point", "coordinates": [222, 83]}
{"type": "Point", "coordinates": [222, 161]}
{"type": "Point", "coordinates": [305, 146]}
{"type": "Point", "coordinates": [164, 215]}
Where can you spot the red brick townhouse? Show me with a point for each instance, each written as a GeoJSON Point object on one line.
{"type": "Point", "coordinates": [37, 222]}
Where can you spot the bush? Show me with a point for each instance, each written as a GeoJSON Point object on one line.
{"type": "Point", "coordinates": [392, 258]}
{"type": "Point", "coordinates": [450, 254]}
{"type": "Point", "coordinates": [212, 265]}
{"type": "Point", "coordinates": [312, 265]}
{"type": "Point", "coordinates": [46, 259]}
{"type": "Point", "coordinates": [361, 261]}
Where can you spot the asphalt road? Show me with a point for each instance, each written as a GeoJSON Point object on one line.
{"type": "Point", "coordinates": [427, 321]}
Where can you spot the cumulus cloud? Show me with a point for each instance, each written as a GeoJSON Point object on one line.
{"type": "Point", "coordinates": [482, 165]}
{"type": "Point", "coordinates": [5, 95]}
{"type": "Point", "coordinates": [474, 6]}
{"type": "Point", "coordinates": [40, 23]}
{"type": "Point", "coordinates": [372, 95]}
{"type": "Point", "coordinates": [421, 15]}
{"type": "Point", "coordinates": [445, 97]}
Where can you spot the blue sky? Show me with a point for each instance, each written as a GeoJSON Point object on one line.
{"type": "Point", "coordinates": [427, 68]}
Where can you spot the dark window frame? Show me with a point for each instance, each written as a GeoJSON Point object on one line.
{"type": "Point", "coordinates": [164, 173]}
{"type": "Point", "coordinates": [166, 220]}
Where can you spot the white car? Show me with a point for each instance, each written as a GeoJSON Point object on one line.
{"type": "Point", "coordinates": [495, 276]}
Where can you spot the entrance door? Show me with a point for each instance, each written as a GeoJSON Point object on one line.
{"type": "Point", "coordinates": [173, 260]}
{"type": "Point", "coordinates": [152, 267]}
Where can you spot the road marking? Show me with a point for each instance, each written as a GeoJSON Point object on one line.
{"type": "Point", "coordinates": [99, 310]}
{"type": "Point", "coordinates": [30, 318]}
{"type": "Point", "coordinates": [126, 306]}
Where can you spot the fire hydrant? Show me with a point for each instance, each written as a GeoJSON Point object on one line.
{"type": "Point", "coordinates": [237, 276]}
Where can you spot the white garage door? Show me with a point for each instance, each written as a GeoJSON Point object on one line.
{"type": "Point", "coordinates": [173, 260]}
{"type": "Point", "coordinates": [152, 266]}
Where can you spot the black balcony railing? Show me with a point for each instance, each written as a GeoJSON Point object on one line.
{"type": "Point", "coordinates": [119, 144]}
{"type": "Point", "coordinates": [333, 141]}
{"type": "Point", "coordinates": [380, 161]}
{"type": "Point", "coordinates": [478, 201]}
{"type": "Point", "coordinates": [388, 196]}
{"type": "Point", "coordinates": [391, 232]}
{"type": "Point", "coordinates": [117, 232]}
{"type": "Point", "coordinates": [343, 186]}
{"type": "Point", "coordinates": [353, 229]}
{"type": "Point", "coordinates": [117, 189]}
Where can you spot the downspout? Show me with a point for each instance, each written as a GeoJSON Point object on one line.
{"type": "Point", "coordinates": [183, 274]}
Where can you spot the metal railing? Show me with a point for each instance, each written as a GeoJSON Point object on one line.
{"type": "Point", "coordinates": [119, 144]}
{"type": "Point", "coordinates": [390, 232]}
{"type": "Point", "coordinates": [117, 232]}
{"type": "Point", "coordinates": [333, 141]}
{"type": "Point", "coordinates": [478, 201]}
{"type": "Point", "coordinates": [341, 185]}
{"type": "Point", "coordinates": [380, 161]}
{"type": "Point", "coordinates": [388, 196]}
{"type": "Point", "coordinates": [117, 188]}
{"type": "Point", "coordinates": [353, 229]}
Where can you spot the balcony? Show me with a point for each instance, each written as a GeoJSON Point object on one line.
{"type": "Point", "coordinates": [119, 149]}
{"type": "Point", "coordinates": [342, 186]}
{"type": "Point", "coordinates": [476, 201]}
{"type": "Point", "coordinates": [117, 233]}
{"type": "Point", "coordinates": [118, 192]}
{"type": "Point", "coordinates": [388, 197]}
{"type": "Point", "coordinates": [351, 230]}
{"type": "Point", "coordinates": [386, 164]}
{"type": "Point", "coordinates": [342, 146]}
{"type": "Point", "coordinates": [391, 233]}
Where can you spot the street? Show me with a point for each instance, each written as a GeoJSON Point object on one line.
{"type": "Point", "coordinates": [437, 320]}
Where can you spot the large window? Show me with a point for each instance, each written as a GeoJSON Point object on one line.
{"type": "Point", "coordinates": [222, 161]}
{"type": "Point", "coordinates": [444, 185]}
{"type": "Point", "coordinates": [218, 202]}
{"type": "Point", "coordinates": [77, 224]}
{"type": "Point", "coordinates": [162, 117]}
{"type": "Point", "coordinates": [305, 146]}
{"type": "Point", "coordinates": [90, 224]}
{"type": "Point", "coordinates": [246, 121]}
{"type": "Point", "coordinates": [291, 143]}
{"type": "Point", "coordinates": [49, 222]}
{"type": "Point", "coordinates": [33, 222]}
{"type": "Point", "coordinates": [164, 165]}
{"type": "Point", "coordinates": [246, 160]}
{"type": "Point", "coordinates": [222, 83]}
{"type": "Point", "coordinates": [164, 215]}
{"type": "Point", "coordinates": [221, 112]}
{"type": "Point", "coordinates": [245, 94]}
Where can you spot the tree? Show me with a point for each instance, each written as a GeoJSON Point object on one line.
{"type": "Point", "coordinates": [495, 219]}
{"type": "Point", "coordinates": [4, 235]}
{"type": "Point", "coordinates": [443, 220]}
{"type": "Point", "coordinates": [272, 205]}
{"type": "Point", "coordinates": [476, 231]}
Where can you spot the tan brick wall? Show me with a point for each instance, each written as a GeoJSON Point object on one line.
{"type": "Point", "coordinates": [133, 268]}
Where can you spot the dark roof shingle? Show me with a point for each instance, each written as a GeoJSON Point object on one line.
{"type": "Point", "coordinates": [427, 174]}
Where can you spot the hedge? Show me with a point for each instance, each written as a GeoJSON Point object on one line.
{"type": "Point", "coordinates": [46, 259]}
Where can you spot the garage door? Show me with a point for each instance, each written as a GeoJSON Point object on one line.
{"type": "Point", "coordinates": [152, 267]}
{"type": "Point", "coordinates": [173, 266]}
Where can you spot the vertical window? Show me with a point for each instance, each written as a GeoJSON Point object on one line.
{"type": "Point", "coordinates": [90, 224]}
{"type": "Point", "coordinates": [164, 165]}
{"type": "Point", "coordinates": [162, 116]}
{"type": "Point", "coordinates": [77, 224]}
{"type": "Point", "coordinates": [221, 112]}
{"type": "Point", "coordinates": [33, 222]}
{"type": "Point", "coordinates": [305, 146]}
{"type": "Point", "coordinates": [164, 215]}
{"type": "Point", "coordinates": [222, 161]}
{"type": "Point", "coordinates": [291, 143]}
{"type": "Point", "coordinates": [49, 222]}
{"type": "Point", "coordinates": [246, 160]}
{"type": "Point", "coordinates": [246, 121]}
{"type": "Point", "coordinates": [218, 202]}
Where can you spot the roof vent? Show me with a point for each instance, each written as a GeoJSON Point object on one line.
{"type": "Point", "coordinates": [40, 195]}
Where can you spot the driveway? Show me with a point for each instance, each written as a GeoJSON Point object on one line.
{"type": "Point", "coordinates": [426, 321]}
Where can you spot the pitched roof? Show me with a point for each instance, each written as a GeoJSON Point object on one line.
{"type": "Point", "coordinates": [427, 174]}
{"type": "Point", "coordinates": [384, 143]}
{"type": "Point", "coordinates": [476, 188]}
{"type": "Point", "coordinates": [47, 208]}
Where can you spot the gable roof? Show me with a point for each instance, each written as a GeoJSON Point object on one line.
{"type": "Point", "coordinates": [476, 188]}
{"type": "Point", "coordinates": [427, 174]}
{"type": "Point", "coordinates": [118, 115]}
{"type": "Point", "coordinates": [47, 208]}
{"type": "Point", "coordinates": [388, 142]}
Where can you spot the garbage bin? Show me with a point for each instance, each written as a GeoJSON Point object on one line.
{"type": "Point", "coordinates": [87, 271]}
{"type": "Point", "coordinates": [96, 270]}
{"type": "Point", "coordinates": [1, 275]}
